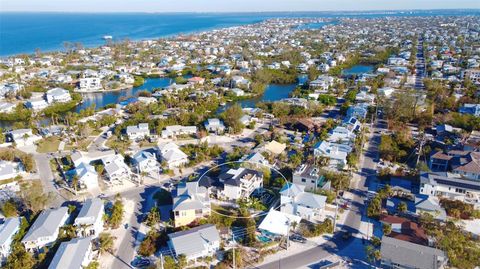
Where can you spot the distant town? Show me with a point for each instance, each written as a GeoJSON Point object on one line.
{"type": "Point", "coordinates": [349, 142]}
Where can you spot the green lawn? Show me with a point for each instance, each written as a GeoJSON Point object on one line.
{"type": "Point", "coordinates": [49, 144]}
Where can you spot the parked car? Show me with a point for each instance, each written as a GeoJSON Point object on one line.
{"type": "Point", "coordinates": [140, 263]}
{"type": "Point", "coordinates": [298, 238]}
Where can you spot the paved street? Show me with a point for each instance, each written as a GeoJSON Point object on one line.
{"type": "Point", "coordinates": [47, 178]}
{"type": "Point", "coordinates": [354, 216]}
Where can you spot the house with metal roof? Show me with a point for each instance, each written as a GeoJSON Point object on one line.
{"type": "Point", "coordinates": [171, 154]}
{"type": "Point", "coordinates": [190, 202]}
{"type": "Point", "coordinates": [397, 253]}
{"type": "Point", "coordinates": [201, 241]}
{"type": "Point", "coordinates": [74, 254]}
{"type": "Point", "coordinates": [278, 223]}
{"type": "Point", "coordinates": [137, 132]}
{"type": "Point", "coordinates": [308, 175]}
{"type": "Point", "coordinates": [146, 161]}
{"type": "Point", "coordinates": [294, 200]}
{"type": "Point", "coordinates": [89, 221]}
{"type": "Point", "coordinates": [8, 229]}
{"type": "Point", "coordinates": [45, 229]}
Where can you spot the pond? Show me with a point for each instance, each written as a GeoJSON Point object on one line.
{"type": "Point", "coordinates": [358, 70]}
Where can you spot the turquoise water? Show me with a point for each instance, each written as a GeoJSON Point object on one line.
{"type": "Point", "coordinates": [25, 32]}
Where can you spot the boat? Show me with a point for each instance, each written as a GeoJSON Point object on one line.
{"type": "Point", "coordinates": [107, 37]}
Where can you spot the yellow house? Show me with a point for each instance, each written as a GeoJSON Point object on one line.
{"type": "Point", "coordinates": [192, 202]}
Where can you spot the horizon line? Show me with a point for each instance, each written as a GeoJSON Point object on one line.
{"type": "Point", "coordinates": [264, 11]}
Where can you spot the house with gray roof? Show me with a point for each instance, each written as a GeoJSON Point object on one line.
{"type": "Point", "coordinates": [239, 183]}
{"type": "Point", "coordinates": [8, 229]}
{"type": "Point", "coordinates": [431, 205]}
{"type": "Point", "coordinates": [190, 202]}
{"type": "Point", "coordinates": [398, 253]}
{"type": "Point", "coordinates": [74, 254]}
{"type": "Point", "coordinates": [295, 201]}
{"type": "Point", "coordinates": [137, 132]}
{"type": "Point", "coordinates": [201, 241]}
{"type": "Point", "coordinates": [89, 221]}
{"type": "Point", "coordinates": [146, 161]}
{"type": "Point", "coordinates": [45, 229]}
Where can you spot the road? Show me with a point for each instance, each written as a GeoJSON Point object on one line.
{"type": "Point", "coordinates": [420, 66]}
{"type": "Point", "coordinates": [352, 223]}
{"type": "Point", "coordinates": [46, 177]}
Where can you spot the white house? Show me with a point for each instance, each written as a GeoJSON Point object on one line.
{"type": "Point", "coordinates": [214, 126]}
{"type": "Point", "coordinates": [74, 254]}
{"type": "Point", "coordinates": [116, 170]}
{"type": "Point", "coordinates": [58, 95]}
{"type": "Point", "coordinates": [8, 169]}
{"type": "Point", "coordinates": [336, 153]}
{"type": "Point", "coordinates": [23, 137]}
{"type": "Point", "coordinates": [8, 229]}
{"type": "Point", "coordinates": [138, 132]}
{"type": "Point", "coordinates": [198, 242]}
{"type": "Point", "coordinates": [145, 161]}
{"type": "Point", "coordinates": [240, 183]}
{"type": "Point", "coordinates": [36, 104]}
{"type": "Point", "coordinates": [294, 200]}
{"type": "Point", "coordinates": [172, 155]}
{"type": "Point", "coordinates": [87, 176]}
{"type": "Point", "coordinates": [89, 222]}
{"type": "Point", "coordinates": [278, 223]}
{"type": "Point", "coordinates": [176, 130]}
{"type": "Point", "coordinates": [45, 229]}
{"type": "Point", "coordinates": [90, 84]}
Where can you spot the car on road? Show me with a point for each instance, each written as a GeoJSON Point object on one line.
{"type": "Point", "coordinates": [298, 238]}
{"type": "Point", "coordinates": [140, 263]}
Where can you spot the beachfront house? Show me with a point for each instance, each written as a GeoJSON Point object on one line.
{"type": "Point", "coordinates": [89, 222]}
{"type": "Point", "coordinates": [45, 229]}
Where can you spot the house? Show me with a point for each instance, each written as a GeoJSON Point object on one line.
{"type": "Point", "coordinates": [89, 222]}
{"type": "Point", "coordinates": [198, 242]}
{"type": "Point", "coordinates": [239, 183]}
{"type": "Point", "coordinates": [309, 176]}
{"type": "Point", "coordinates": [116, 170]}
{"type": "Point", "coordinates": [275, 147]}
{"type": "Point", "coordinates": [341, 135]}
{"type": "Point", "coordinates": [8, 229]}
{"type": "Point", "coordinates": [334, 152]}
{"type": "Point", "coordinates": [138, 132]}
{"type": "Point", "coordinates": [238, 81]}
{"type": "Point", "coordinates": [23, 137]}
{"type": "Point", "coordinates": [255, 158]}
{"type": "Point", "coordinates": [386, 91]}
{"type": "Point", "coordinates": [6, 107]}
{"type": "Point", "coordinates": [431, 205]}
{"type": "Point", "coordinates": [214, 126]}
{"type": "Point", "coordinates": [8, 169]}
{"type": "Point", "coordinates": [74, 254]}
{"type": "Point", "coordinates": [36, 104]}
{"type": "Point", "coordinates": [278, 223]}
{"type": "Point", "coordinates": [352, 123]}
{"type": "Point", "coordinates": [177, 130]}
{"type": "Point", "coordinates": [472, 109]}
{"type": "Point", "coordinates": [238, 92]}
{"type": "Point", "coordinates": [45, 229]}
{"type": "Point", "coordinates": [191, 202]}
{"type": "Point", "coordinates": [172, 155]}
{"type": "Point", "coordinates": [146, 162]}
{"type": "Point", "coordinates": [90, 84]}
{"type": "Point", "coordinates": [358, 111]}
{"type": "Point", "coordinates": [450, 186]}
{"type": "Point", "coordinates": [397, 253]}
{"type": "Point", "coordinates": [295, 201]}
{"type": "Point", "coordinates": [87, 176]}
{"type": "Point", "coordinates": [58, 95]}
{"type": "Point", "coordinates": [461, 162]}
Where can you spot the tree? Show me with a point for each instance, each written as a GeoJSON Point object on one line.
{"type": "Point", "coordinates": [149, 245]}
{"type": "Point", "coordinates": [116, 215]}
{"type": "Point", "coordinates": [33, 196]}
{"type": "Point", "coordinates": [93, 265]}
{"type": "Point", "coordinates": [153, 217]}
{"type": "Point", "coordinates": [19, 258]}
{"type": "Point", "coordinates": [402, 207]}
{"type": "Point", "coordinates": [374, 207]}
{"type": "Point", "coordinates": [231, 118]}
{"type": "Point", "coordinates": [9, 209]}
{"type": "Point", "coordinates": [387, 228]}
{"type": "Point", "coordinates": [105, 242]}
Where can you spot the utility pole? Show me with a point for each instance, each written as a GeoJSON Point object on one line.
{"type": "Point", "coordinates": [420, 149]}
{"type": "Point", "coordinates": [336, 212]}
{"type": "Point", "coordinates": [233, 250]}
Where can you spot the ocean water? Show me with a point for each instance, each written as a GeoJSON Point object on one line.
{"type": "Point", "coordinates": [26, 32]}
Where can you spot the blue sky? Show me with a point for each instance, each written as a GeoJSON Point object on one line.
{"type": "Point", "coordinates": [228, 5]}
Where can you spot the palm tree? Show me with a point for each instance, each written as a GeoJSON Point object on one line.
{"type": "Point", "coordinates": [105, 241]}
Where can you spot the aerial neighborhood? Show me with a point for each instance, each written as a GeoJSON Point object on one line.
{"type": "Point", "coordinates": [349, 142]}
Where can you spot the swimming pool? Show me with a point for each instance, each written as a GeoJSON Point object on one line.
{"type": "Point", "coordinates": [263, 238]}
